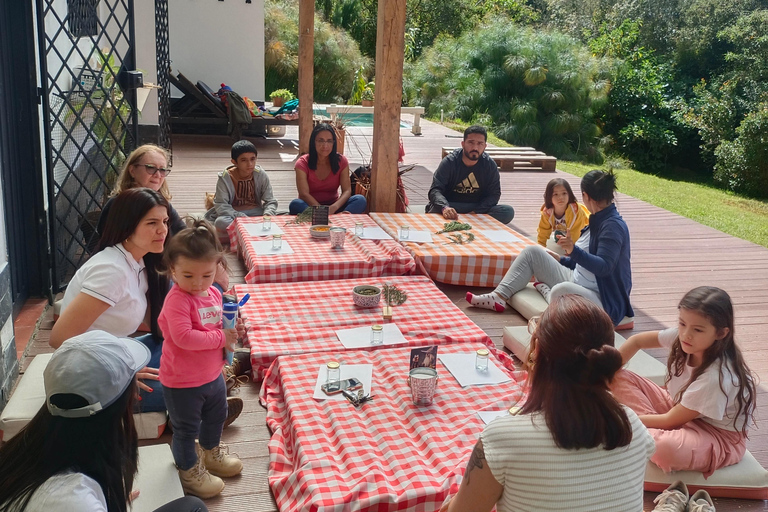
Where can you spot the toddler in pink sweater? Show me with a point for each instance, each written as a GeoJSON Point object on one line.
{"type": "Point", "coordinates": [193, 358]}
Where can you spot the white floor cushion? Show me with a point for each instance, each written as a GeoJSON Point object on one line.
{"type": "Point", "coordinates": [745, 480]}
{"type": "Point", "coordinates": [528, 302]}
{"type": "Point", "coordinates": [517, 340]}
{"type": "Point", "coordinates": [157, 479]}
{"type": "Point", "coordinates": [29, 397]}
{"type": "Point", "coordinates": [26, 400]}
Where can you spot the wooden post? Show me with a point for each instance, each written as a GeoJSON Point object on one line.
{"type": "Point", "coordinates": [306, 71]}
{"type": "Point", "coordinates": [390, 48]}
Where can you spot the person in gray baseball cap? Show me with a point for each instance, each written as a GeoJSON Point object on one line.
{"type": "Point", "coordinates": [80, 451]}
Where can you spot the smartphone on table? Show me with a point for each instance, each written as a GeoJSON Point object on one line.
{"type": "Point", "coordinates": [332, 388]}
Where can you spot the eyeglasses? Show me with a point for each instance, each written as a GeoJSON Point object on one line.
{"type": "Point", "coordinates": [152, 170]}
{"type": "Point", "coordinates": [323, 141]}
{"type": "Point", "coordinates": [533, 323]}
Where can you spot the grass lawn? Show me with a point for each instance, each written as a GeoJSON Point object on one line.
{"type": "Point", "coordinates": [714, 207]}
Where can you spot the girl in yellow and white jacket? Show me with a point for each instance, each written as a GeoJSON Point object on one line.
{"type": "Point", "coordinates": [561, 212]}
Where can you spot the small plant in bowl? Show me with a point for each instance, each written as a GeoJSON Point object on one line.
{"type": "Point", "coordinates": [367, 97]}
{"type": "Point", "coordinates": [280, 96]}
{"type": "Point", "coordinates": [366, 296]}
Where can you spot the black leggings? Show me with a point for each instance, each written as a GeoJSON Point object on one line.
{"type": "Point", "coordinates": [185, 504]}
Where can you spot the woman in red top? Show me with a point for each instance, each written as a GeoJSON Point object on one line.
{"type": "Point", "coordinates": [320, 174]}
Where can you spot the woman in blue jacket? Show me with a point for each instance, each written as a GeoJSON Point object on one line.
{"type": "Point", "coordinates": [597, 266]}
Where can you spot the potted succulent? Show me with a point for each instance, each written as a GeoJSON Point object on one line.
{"type": "Point", "coordinates": [367, 97]}
{"type": "Point", "coordinates": [280, 96]}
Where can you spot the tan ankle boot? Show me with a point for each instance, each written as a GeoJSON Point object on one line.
{"type": "Point", "coordinates": [220, 463]}
{"type": "Point", "coordinates": [199, 482]}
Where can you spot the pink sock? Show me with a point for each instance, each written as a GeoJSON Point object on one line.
{"type": "Point", "coordinates": [487, 301]}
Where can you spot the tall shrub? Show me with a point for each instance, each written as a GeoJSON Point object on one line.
{"type": "Point", "coordinates": [535, 87]}
{"type": "Point", "coordinates": [742, 164]}
{"type": "Point", "coordinates": [337, 55]}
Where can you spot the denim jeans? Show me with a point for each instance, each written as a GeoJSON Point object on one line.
{"type": "Point", "coordinates": [195, 413]}
{"type": "Point", "coordinates": [154, 401]}
{"type": "Point", "coordinates": [355, 204]}
{"type": "Point", "coordinates": [501, 212]}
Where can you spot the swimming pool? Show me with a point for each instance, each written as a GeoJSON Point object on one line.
{"type": "Point", "coordinates": [360, 120]}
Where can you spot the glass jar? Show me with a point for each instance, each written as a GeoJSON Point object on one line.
{"type": "Point", "coordinates": [359, 229]}
{"type": "Point", "coordinates": [277, 242]}
{"type": "Point", "coordinates": [481, 360]}
{"type": "Point", "coordinates": [333, 372]}
{"type": "Point", "coordinates": [266, 222]}
{"type": "Point", "coordinates": [405, 232]}
{"type": "Point", "coordinates": [377, 334]}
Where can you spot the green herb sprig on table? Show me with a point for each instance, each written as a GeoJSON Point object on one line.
{"type": "Point", "coordinates": [305, 216]}
{"type": "Point", "coordinates": [393, 295]}
{"type": "Point", "coordinates": [454, 225]}
{"type": "Point", "coordinates": [461, 238]}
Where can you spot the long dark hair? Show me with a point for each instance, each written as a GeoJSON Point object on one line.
{"type": "Point", "coordinates": [715, 304]}
{"type": "Point", "coordinates": [198, 242]}
{"type": "Point", "coordinates": [127, 210]}
{"type": "Point", "coordinates": [550, 190]}
{"type": "Point", "coordinates": [334, 156]}
{"type": "Point", "coordinates": [574, 362]}
{"type": "Point", "coordinates": [103, 446]}
{"type": "Point", "coordinates": [599, 185]}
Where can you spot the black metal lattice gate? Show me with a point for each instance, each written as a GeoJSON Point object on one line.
{"type": "Point", "coordinates": [163, 60]}
{"type": "Point", "coordinates": [86, 49]}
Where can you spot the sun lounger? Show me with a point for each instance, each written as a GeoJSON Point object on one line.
{"type": "Point", "coordinates": [518, 159]}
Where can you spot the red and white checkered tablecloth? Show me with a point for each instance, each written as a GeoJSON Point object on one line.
{"type": "Point", "coordinates": [313, 259]}
{"type": "Point", "coordinates": [388, 455]}
{"type": "Point", "coordinates": [479, 263]}
{"type": "Point", "coordinates": [297, 318]}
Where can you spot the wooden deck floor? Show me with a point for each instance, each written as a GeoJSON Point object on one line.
{"type": "Point", "coordinates": [670, 255]}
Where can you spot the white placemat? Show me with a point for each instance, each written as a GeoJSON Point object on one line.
{"type": "Point", "coordinates": [363, 372]}
{"type": "Point", "coordinates": [264, 248]}
{"type": "Point", "coordinates": [462, 367]}
{"type": "Point", "coordinates": [360, 337]}
{"type": "Point", "coordinates": [500, 235]}
{"type": "Point", "coordinates": [258, 229]}
{"type": "Point", "coordinates": [375, 233]}
{"type": "Point", "coordinates": [417, 236]}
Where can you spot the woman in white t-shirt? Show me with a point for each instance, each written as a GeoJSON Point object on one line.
{"type": "Point", "coordinates": [116, 288]}
{"type": "Point", "coordinates": [700, 421]}
{"type": "Point", "coordinates": [571, 446]}
{"type": "Point", "coordinates": [79, 452]}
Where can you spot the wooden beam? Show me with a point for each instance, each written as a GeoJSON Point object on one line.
{"type": "Point", "coordinates": [390, 47]}
{"type": "Point", "coordinates": [306, 71]}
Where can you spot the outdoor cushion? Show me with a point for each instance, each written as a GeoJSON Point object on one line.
{"type": "Point", "coordinates": [29, 397]}
{"type": "Point", "coordinates": [528, 302]}
{"type": "Point", "coordinates": [517, 340]}
{"type": "Point", "coordinates": [26, 400]}
{"type": "Point", "coordinates": [745, 480]}
{"type": "Point", "coordinates": [157, 479]}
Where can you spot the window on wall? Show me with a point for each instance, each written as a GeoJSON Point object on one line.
{"type": "Point", "coordinates": [83, 17]}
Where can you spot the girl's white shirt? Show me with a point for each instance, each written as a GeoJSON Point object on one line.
{"type": "Point", "coordinates": [716, 406]}
{"type": "Point", "coordinates": [67, 492]}
{"type": "Point", "coordinates": [113, 276]}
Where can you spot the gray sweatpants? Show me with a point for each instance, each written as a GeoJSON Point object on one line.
{"type": "Point", "coordinates": [535, 261]}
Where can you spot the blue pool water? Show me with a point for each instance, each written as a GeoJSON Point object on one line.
{"type": "Point", "coordinates": [355, 119]}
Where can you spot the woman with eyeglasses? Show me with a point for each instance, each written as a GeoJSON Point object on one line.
{"type": "Point", "coordinates": [321, 173]}
{"type": "Point", "coordinates": [571, 446]}
{"type": "Point", "coordinates": [147, 166]}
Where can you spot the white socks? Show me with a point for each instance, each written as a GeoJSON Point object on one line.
{"type": "Point", "coordinates": [490, 301]}
{"type": "Point", "coordinates": [543, 289]}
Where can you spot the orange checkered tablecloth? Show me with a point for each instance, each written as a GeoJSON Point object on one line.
{"type": "Point", "coordinates": [298, 318]}
{"type": "Point", "coordinates": [479, 263]}
{"type": "Point", "coordinates": [325, 455]}
{"type": "Point", "coordinates": [313, 259]}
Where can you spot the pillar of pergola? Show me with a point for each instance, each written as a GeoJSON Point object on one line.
{"type": "Point", "coordinates": [390, 49]}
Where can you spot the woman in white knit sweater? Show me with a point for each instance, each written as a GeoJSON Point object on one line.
{"type": "Point", "coordinates": [571, 446]}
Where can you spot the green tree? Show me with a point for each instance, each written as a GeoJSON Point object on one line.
{"type": "Point", "coordinates": [742, 164]}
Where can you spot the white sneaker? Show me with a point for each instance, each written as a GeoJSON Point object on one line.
{"type": "Point", "coordinates": [701, 502]}
{"type": "Point", "coordinates": [673, 499]}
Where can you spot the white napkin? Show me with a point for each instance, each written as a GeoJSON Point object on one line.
{"type": "Point", "coordinates": [258, 229]}
{"type": "Point", "coordinates": [374, 233]}
{"type": "Point", "coordinates": [500, 235]}
{"type": "Point", "coordinates": [418, 237]}
{"type": "Point", "coordinates": [264, 248]}
{"type": "Point", "coordinates": [363, 372]}
{"type": "Point", "coordinates": [462, 367]}
{"type": "Point", "coordinates": [359, 337]}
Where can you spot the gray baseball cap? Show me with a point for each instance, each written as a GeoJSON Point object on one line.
{"type": "Point", "coordinates": [96, 366]}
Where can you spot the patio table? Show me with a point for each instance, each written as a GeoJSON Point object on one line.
{"type": "Point", "coordinates": [313, 259]}
{"type": "Point", "coordinates": [479, 263]}
{"type": "Point", "coordinates": [298, 318]}
{"type": "Point", "coordinates": [387, 455]}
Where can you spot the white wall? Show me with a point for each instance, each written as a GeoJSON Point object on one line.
{"type": "Point", "coordinates": [146, 60]}
{"type": "Point", "coordinates": [219, 42]}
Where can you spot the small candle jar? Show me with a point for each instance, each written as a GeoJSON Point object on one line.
{"type": "Point", "coordinates": [337, 236]}
{"type": "Point", "coordinates": [266, 222]}
{"type": "Point", "coordinates": [359, 229]}
{"type": "Point", "coordinates": [333, 372]}
{"type": "Point", "coordinates": [377, 334]}
{"type": "Point", "coordinates": [481, 360]}
{"type": "Point", "coordinates": [405, 232]}
{"type": "Point", "coordinates": [277, 242]}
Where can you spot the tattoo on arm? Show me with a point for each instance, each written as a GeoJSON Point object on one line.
{"type": "Point", "coordinates": [476, 459]}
